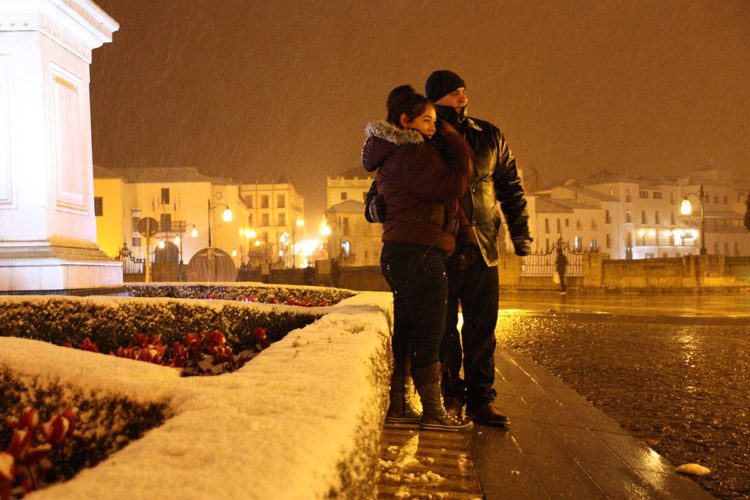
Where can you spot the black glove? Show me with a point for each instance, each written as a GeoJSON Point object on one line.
{"type": "Point", "coordinates": [522, 245]}
{"type": "Point", "coordinates": [374, 205]}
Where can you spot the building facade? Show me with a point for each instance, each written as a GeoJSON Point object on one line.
{"type": "Point", "coordinates": [276, 223]}
{"type": "Point", "coordinates": [630, 218]}
{"type": "Point", "coordinates": [184, 204]}
{"type": "Point", "coordinates": [353, 241]}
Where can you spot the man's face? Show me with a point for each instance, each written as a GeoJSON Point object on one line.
{"type": "Point", "coordinates": [456, 99]}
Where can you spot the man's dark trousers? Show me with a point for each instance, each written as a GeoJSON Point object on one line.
{"type": "Point", "coordinates": [475, 286]}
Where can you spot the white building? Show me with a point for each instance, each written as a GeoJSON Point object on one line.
{"type": "Point", "coordinates": [353, 241]}
{"type": "Point", "coordinates": [640, 218]}
{"type": "Point", "coordinates": [275, 220]}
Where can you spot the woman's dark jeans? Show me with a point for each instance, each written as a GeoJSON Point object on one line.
{"type": "Point", "coordinates": [418, 279]}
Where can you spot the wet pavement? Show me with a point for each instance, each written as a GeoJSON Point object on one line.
{"type": "Point", "coordinates": [558, 446]}
{"type": "Point", "coordinates": [607, 395]}
{"type": "Point", "coordinates": [674, 373]}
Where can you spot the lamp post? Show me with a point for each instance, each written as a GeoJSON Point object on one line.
{"type": "Point", "coordinates": [227, 216]}
{"type": "Point", "coordinates": [325, 232]}
{"type": "Point", "coordinates": [686, 208]}
{"type": "Point", "coordinates": [300, 223]}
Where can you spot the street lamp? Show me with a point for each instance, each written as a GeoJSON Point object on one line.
{"type": "Point", "coordinates": [686, 208]}
{"type": "Point", "coordinates": [299, 224]}
{"type": "Point", "coordinates": [226, 216]}
{"type": "Point", "coordinates": [325, 232]}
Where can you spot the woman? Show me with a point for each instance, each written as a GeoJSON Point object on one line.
{"type": "Point", "coordinates": [421, 186]}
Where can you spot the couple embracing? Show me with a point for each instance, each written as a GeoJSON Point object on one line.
{"type": "Point", "coordinates": [440, 176]}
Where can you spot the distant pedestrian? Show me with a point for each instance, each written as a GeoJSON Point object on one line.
{"type": "Point", "coordinates": [747, 212]}
{"type": "Point", "coordinates": [561, 264]}
{"type": "Point", "coordinates": [421, 186]}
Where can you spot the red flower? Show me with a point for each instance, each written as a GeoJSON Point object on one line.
{"type": "Point", "coordinates": [259, 334]}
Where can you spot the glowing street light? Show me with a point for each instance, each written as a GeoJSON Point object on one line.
{"type": "Point", "coordinates": [299, 224]}
{"type": "Point", "coordinates": [226, 216]}
{"type": "Point", "coordinates": [686, 208]}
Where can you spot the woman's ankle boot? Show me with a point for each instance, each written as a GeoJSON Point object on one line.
{"type": "Point", "coordinates": [401, 410]}
{"type": "Point", "coordinates": [434, 416]}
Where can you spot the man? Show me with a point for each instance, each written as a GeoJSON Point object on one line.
{"type": "Point", "coordinates": [472, 270]}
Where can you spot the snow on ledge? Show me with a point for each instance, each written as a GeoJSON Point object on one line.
{"type": "Point", "coordinates": [280, 427]}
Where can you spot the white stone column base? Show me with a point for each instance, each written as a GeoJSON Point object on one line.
{"type": "Point", "coordinates": [43, 266]}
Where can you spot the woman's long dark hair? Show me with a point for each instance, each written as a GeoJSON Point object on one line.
{"type": "Point", "coordinates": [404, 99]}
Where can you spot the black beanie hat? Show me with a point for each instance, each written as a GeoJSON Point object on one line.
{"type": "Point", "coordinates": [441, 83]}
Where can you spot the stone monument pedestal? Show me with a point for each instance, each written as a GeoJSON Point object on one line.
{"type": "Point", "coordinates": [47, 220]}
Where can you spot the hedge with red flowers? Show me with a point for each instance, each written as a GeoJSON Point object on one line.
{"type": "Point", "coordinates": [114, 323]}
{"type": "Point", "coordinates": [50, 430]}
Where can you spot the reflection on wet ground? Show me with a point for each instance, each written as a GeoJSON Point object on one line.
{"type": "Point", "coordinates": [681, 385]}
{"type": "Point", "coordinates": [735, 305]}
{"type": "Point", "coordinates": [417, 464]}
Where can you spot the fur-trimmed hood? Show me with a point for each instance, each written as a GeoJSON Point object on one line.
{"type": "Point", "coordinates": [382, 138]}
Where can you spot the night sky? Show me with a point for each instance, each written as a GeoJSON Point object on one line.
{"type": "Point", "coordinates": [253, 89]}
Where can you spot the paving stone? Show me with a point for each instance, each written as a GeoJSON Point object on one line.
{"type": "Point", "coordinates": [619, 482]}
{"type": "Point", "coordinates": [501, 467]}
{"type": "Point", "coordinates": [563, 478]}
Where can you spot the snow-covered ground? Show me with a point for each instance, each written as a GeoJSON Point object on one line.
{"type": "Point", "coordinates": [301, 420]}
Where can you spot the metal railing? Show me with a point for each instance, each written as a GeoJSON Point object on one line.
{"type": "Point", "coordinates": [542, 265]}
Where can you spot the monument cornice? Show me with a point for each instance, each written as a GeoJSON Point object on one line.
{"type": "Point", "coordinates": [78, 25]}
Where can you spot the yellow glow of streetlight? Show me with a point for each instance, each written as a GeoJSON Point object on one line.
{"type": "Point", "coordinates": [686, 208]}
{"type": "Point", "coordinates": [325, 229]}
{"type": "Point", "coordinates": [194, 232]}
{"type": "Point", "coordinates": [162, 244]}
{"type": "Point", "coordinates": [300, 222]}
{"type": "Point", "coordinates": [227, 215]}
{"type": "Point", "coordinates": [257, 243]}
{"type": "Point", "coordinates": [234, 252]}
{"type": "Point", "coordinates": [177, 240]}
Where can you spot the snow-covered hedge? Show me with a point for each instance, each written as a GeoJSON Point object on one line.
{"type": "Point", "coordinates": [106, 422]}
{"type": "Point", "coordinates": [257, 292]}
{"type": "Point", "coordinates": [115, 321]}
{"type": "Point", "coordinates": [302, 420]}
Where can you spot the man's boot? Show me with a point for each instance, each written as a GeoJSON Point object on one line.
{"type": "Point", "coordinates": [401, 411]}
{"type": "Point", "coordinates": [434, 416]}
{"type": "Point", "coordinates": [487, 414]}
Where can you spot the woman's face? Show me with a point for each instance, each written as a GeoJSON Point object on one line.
{"type": "Point", "coordinates": [424, 123]}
